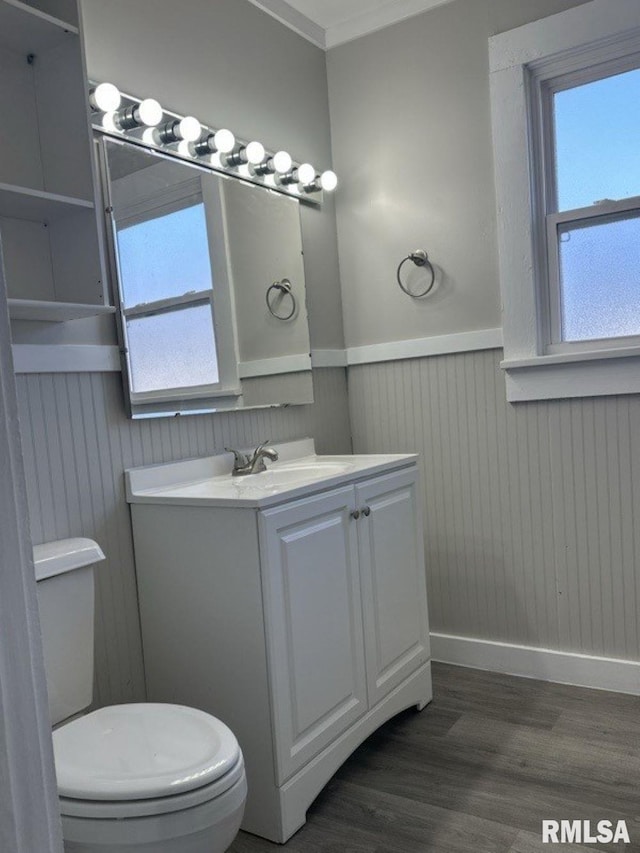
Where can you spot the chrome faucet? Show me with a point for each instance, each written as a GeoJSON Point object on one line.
{"type": "Point", "coordinates": [243, 464]}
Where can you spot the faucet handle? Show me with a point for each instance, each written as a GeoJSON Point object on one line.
{"type": "Point", "coordinates": [239, 459]}
{"type": "Point", "coordinates": [260, 447]}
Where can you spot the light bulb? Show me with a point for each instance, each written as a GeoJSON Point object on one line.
{"type": "Point", "coordinates": [279, 163]}
{"type": "Point", "coordinates": [189, 129]}
{"type": "Point", "coordinates": [221, 142]}
{"type": "Point", "coordinates": [282, 162]}
{"type": "Point", "coordinates": [149, 112]}
{"type": "Point", "coordinates": [224, 141]}
{"type": "Point", "coordinates": [328, 181]}
{"type": "Point", "coordinates": [255, 153]}
{"type": "Point", "coordinates": [105, 98]}
{"type": "Point", "coordinates": [306, 173]}
{"type": "Point", "coordinates": [216, 161]}
{"type": "Point", "coordinates": [149, 136]}
{"type": "Point", "coordinates": [109, 123]}
{"type": "Point", "coordinates": [184, 148]}
{"type": "Point", "coordinates": [244, 170]}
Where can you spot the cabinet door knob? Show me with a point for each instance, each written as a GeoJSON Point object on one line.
{"type": "Point", "coordinates": [355, 514]}
{"type": "Point", "coordinates": [366, 511]}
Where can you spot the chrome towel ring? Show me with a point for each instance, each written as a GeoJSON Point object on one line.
{"type": "Point", "coordinates": [421, 259]}
{"type": "Point", "coordinates": [284, 289]}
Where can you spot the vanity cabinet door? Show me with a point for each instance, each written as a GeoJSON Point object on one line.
{"type": "Point", "coordinates": [393, 579]}
{"type": "Point", "coordinates": [313, 616]}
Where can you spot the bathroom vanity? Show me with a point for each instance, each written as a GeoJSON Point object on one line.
{"type": "Point", "coordinates": [291, 604]}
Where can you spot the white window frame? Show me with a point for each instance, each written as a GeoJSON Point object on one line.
{"type": "Point", "coordinates": [526, 66]}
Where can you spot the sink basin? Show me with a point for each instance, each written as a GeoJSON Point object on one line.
{"type": "Point", "coordinates": [289, 474]}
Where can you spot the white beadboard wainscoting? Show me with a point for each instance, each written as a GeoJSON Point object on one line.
{"type": "Point", "coordinates": [532, 510]}
{"type": "Point", "coordinates": [77, 442]}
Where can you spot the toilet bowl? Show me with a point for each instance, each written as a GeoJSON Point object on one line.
{"type": "Point", "coordinates": [139, 778]}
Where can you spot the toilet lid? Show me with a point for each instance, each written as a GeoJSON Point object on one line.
{"type": "Point", "coordinates": [137, 752]}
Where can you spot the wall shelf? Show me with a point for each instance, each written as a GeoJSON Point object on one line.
{"type": "Point", "coordinates": [36, 205]}
{"type": "Point", "coordinates": [25, 29]}
{"type": "Point", "coordinates": [54, 312]}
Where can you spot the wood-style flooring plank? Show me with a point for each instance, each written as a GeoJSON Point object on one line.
{"type": "Point", "coordinates": [478, 770]}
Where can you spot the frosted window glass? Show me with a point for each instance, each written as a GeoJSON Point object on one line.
{"type": "Point", "coordinates": [597, 129]}
{"type": "Point", "coordinates": [172, 350]}
{"type": "Point", "coordinates": [164, 257]}
{"type": "Point", "coordinates": [600, 279]}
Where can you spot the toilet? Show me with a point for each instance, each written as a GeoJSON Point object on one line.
{"type": "Point", "coordinates": [141, 778]}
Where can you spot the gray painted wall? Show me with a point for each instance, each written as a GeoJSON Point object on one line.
{"type": "Point", "coordinates": [77, 442]}
{"type": "Point", "coordinates": [230, 64]}
{"type": "Point", "coordinates": [411, 135]}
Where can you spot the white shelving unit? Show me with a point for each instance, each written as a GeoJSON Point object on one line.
{"type": "Point", "coordinates": [35, 205]}
{"type": "Point", "coordinates": [49, 231]}
{"type": "Point", "coordinates": [54, 312]}
{"type": "Point", "coordinates": [24, 28]}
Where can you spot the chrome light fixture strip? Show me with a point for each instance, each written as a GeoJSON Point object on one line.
{"type": "Point", "coordinates": [146, 123]}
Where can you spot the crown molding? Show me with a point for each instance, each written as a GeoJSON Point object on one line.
{"type": "Point", "coordinates": [360, 25]}
{"type": "Point", "coordinates": [295, 20]}
{"type": "Point", "coordinates": [377, 19]}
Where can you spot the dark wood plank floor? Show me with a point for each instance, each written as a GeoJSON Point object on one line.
{"type": "Point", "coordinates": [478, 770]}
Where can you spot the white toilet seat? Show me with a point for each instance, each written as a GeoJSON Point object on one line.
{"type": "Point", "coordinates": [118, 809]}
{"type": "Point", "coordinates": [143, 759]}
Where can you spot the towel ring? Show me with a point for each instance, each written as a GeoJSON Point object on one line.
{"type": "Point", "coordinates": [284, 288]}
{"type": "Point", "coordinates": [421, 259]}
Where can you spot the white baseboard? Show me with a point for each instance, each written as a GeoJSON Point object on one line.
{"type": "Point", "coordinates": [620, 676]}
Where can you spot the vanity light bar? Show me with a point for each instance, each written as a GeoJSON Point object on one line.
{"type": "Point", "coordinates": [184, 136]}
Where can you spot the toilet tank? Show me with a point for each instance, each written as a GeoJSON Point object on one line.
{"type": "Point", "coordinates": [64, 575]}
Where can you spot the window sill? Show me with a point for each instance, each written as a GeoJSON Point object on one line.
{"type": "Point", "coordinates": [571, 357]}
{"type": "Point", "coordinates": [570, 375]}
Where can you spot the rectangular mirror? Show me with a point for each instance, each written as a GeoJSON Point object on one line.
{"type": "Point", "coordinates": [210, 285]}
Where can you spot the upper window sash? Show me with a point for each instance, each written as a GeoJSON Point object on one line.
{"type": "Point", "coordinates": [544, 79]}
{"type": "Point", "coordinates": [547, 79]}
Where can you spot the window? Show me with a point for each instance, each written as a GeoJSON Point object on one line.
{"type": "Point", "coordinates": [593, 220]}
{"type": "Point", "coordinates": [173, 283]}
{"type": "Point", "coordinates": [566, 127]}
{"type": "Point", "coordinates": [167, 290]}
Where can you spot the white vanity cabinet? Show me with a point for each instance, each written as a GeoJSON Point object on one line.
{"type": "Point", "coordinates": [302, 622]}
{"type": "Point", "coordinates": [346, 608]}
{"type": "Point", "coordinates": [394, 594]}
{"type": "Point", "coordinates": [313, 615]}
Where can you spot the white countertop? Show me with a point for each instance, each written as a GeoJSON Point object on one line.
{"type": "Point", "coordinates": [299, 472]}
